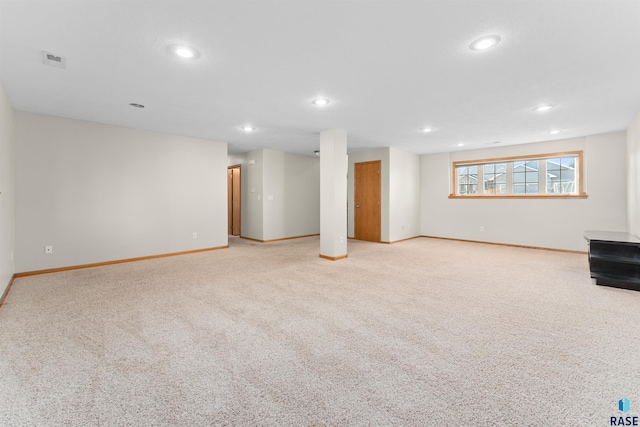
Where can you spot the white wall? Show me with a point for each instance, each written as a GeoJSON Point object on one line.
{"type": "Point", "coordinates": [292, 181]}
{"type": "Point", "coordinates": [633, 176]}
{"type": "Point", "coordinates": [7, 198]}
{"type": "Point", "coordinates": [550, 223]}
{"type": "Point", "coordinates": [381, 154]}
{"type": "Point", "coordinates": [291, 197]}
{"type": "Point", "coordinates": [251, 211]}
{"type": "Point", "coordinates": [236, 159]}
{"type": "Point", "coordinates": [404, 195]}
{"type": "Point", "coordinates": [99, 193]}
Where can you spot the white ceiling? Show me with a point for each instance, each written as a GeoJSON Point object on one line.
{"type": "Point", "coordinates": [390, 68]}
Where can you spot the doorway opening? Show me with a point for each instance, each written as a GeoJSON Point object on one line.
{"type": "Point", "coordinates": [233, 191]}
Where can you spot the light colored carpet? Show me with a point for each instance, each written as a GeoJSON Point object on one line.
{"type": "Point", "coordinates": [425, 332]}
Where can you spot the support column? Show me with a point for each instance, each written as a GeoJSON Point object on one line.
{"type": "Point", "coordinates": [333, 194]}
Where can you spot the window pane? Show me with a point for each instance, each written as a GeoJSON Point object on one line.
{"type": "Point", "coordinates": [518, 177]}
{"type": "Point", "coordinates": [467, 180]}
{"type": "Point", "coordinates": [569, 162]}
{"type": "Point", "coordinates": [525, 177]}
{"type": "Point", "coordinates": [553, 165]}
{"type": "Point", "coordinates": [494, 180]}
{"type": "Point", "coordinates": [561, 175]}
{"type": "Point", "coordinates": [568, 174]}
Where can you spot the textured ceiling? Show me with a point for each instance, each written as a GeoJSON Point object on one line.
{"type": "Point", "coordinates": [390, 68]}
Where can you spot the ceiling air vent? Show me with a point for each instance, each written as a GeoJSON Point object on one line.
{"type": "Point", "coordinates": [53, 60]}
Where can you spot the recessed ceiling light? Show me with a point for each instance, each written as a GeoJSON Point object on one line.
{"type": "Point", "coordinates": [427, 130]}
{"type": "Point", "coordinates": [485, 42]}
{"type": "Point", "coordinates": [320, 102]}
{"type": "Point", "coordinates": [544, 107]}
{"type": "Point", "coordinates": [183, 51]}
{"type": "Point", "coordinates": [459, 144]}
{"type": "Point", "coordinates": [248, 128]}
{"type": "Point", "coordinates": [133, 104]}
{"type": "Point", "coordinates": [554, 132]}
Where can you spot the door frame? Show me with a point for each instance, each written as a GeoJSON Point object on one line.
{"type": "Point", "coordinates": [229, 200]}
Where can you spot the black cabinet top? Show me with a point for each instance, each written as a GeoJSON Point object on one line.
{"type": "Point", "coordinates": [610, 236]}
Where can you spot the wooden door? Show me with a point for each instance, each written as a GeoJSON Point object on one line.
{"type": "Point", "coordinates": [233, 191]}
{"type": "Point", "coordinates": [367, 191]}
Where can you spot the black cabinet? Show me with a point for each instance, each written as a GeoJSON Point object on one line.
{"type": "Point", "coordinates": [614, 259]}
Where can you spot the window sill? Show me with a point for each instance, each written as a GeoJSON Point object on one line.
{"type": "Point", "coordinates": [520, 196]}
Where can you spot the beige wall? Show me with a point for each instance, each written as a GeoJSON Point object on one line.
{"type": "Point", "coordinates": [251, 212]}
{"type": "Point", "coordinates": [404, 195]}
{"type": "Point", "coordinates": [291, 195]}
{"type": "Point", "coordinates": [550, 223]}
{"type": "Point", "coordinates": [280, 194]}
{"type": "Point", "coordinates": [633, 176]}
{"type": "Point", "coordinates": [7, 198]}
{"type": "Point", "coordinates": [99, 193]}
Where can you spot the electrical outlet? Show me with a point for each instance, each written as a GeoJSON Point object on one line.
{"type": "Point", "coordinates": [195, 235]}
{"type": "Point", "coordinates": [48, 249]}
{"type": "Point", "coordinates": [481, 228]}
